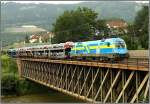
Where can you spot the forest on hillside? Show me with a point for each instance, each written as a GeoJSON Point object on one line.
{"type": "Point", "coordinates": [45, 15]}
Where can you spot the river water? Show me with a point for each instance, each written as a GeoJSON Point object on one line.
{"type": "Point", "coordinates": [50, 96]}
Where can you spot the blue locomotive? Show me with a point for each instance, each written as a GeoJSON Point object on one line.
{"type": "Point", "coordinates": [103, 49]}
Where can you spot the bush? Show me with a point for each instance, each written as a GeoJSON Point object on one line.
{"type": "Point", "coordinates": [8, 64]}
{"type": "Point", "coordinates": [8, 83]}
{"type": "Point", "coordinates": [11, 84]}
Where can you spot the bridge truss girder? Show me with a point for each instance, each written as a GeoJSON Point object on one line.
{"type": "Point", "coordinates": [94, 84]}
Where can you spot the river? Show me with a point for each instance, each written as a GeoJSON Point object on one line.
{"type": "Point", "coordinates": [50, 96]}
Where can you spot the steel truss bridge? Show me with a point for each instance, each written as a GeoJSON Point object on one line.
{"type": "Point", "coordinates": [122, 82]}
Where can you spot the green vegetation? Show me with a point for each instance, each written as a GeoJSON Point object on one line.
{"type": "Point", "coordinates": [9, 38]}
{"type": "Point", "coordinates": [44, 15]}
{"type": "Point", "coordinates": [11, 84]}
{"type": "Point", "coordinates": [8, 64]}
{"type": "Point", "coordinates": [81, 25]}
{"type": "Point", "coordinates": [138, 36]}
{"type": "Point", "coordinates": [76, 25]}
{"type": "Point", "coordinates": [141, 26]}
{"type": "Point", "coordinates": [27, 39]}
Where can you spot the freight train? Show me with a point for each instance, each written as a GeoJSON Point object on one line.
{"type": "Point", "coordinates": [105, 49]}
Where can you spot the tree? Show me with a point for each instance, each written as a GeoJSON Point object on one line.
{"type": "Point", "coordinates": [75, 25]}
{"type": "Point", "coordinates": [138, 31]}
{"type": "Point", "coordinates": [141, 26]}
{"type": "Point", "coordinates": [131, 38]}
{"type": "Point", "coordinates": [103, 30]}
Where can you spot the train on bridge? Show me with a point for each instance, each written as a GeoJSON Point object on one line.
{"type": "Point", "coordinates": [102, 50]}
{"type": "Point", "coordinates": [124, 81]}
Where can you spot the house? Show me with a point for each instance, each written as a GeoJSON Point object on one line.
{"type": "Point", "coordinates": [117, 23]}
{"type": "Point", "coordinates": [40, 38]}
{"type": "Point", "coordinates": [119, 26]}
{"type": "Point", "coordinates": [34, 38]}
{"type": "Point", "coordinates": [47, 37]}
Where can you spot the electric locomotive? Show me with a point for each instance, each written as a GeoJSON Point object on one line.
{"type": "Point", "coordinates": [105, 49]}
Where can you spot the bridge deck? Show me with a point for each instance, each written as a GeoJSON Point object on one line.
{"type": "Point", "coordinates": [141, 65]}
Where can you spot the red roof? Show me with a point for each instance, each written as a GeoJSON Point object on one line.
{"type": "Point", "coordinates": [116, 23]}
{"type": "Point", "coordinates": [34, 37]}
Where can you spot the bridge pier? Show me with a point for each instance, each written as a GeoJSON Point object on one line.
{"type": "Point", "coordinates": [88, 82]}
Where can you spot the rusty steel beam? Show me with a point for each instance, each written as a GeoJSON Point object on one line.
{"type": "Point", "coordinates": [72, 77]}
{"type": "Point", "coordinates": [123, 83]}
{"type": "Point", "coordinates": [58, 71]}
{"type": "Point", "coordinates": [126, 84]}
{"type": "Point", "coordinates": [92, 82]}
{"type": "Point", "coordinates": [139, 89]}
{"type": "Point", "coordinates": [59, 85]}
{"type": "Point", "coordinates": [78, 79]}
{"type": "Point", "coordinates": [67, 73]}
{"type": "Point", "coordinates": [116, 78]}
{"type": "Point", "coordinates": [85, 80]}
{"type": "Point", "coordinates": [146, 90]}
{"type": "Point", "coordinates": [101, 84]}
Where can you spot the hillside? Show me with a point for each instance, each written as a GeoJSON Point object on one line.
{"type": "Point", "coordinates": [44, 15]}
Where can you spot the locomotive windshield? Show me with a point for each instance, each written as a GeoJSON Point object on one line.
{"type": "Point", "coordinates": [120, 44]}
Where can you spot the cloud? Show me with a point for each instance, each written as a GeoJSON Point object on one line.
{"type": "Point", "coordinates": [142, 1]}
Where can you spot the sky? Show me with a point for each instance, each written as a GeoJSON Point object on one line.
{"type": "Point", "coordinates": [59, 2]}
{"type": "Point", "coordinates": [48, 2]}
